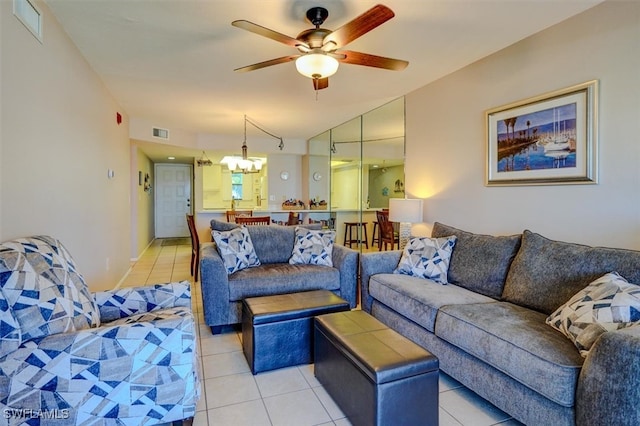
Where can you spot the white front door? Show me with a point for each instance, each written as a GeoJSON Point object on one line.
{"type": "Point", "coordinates": [172, 199]}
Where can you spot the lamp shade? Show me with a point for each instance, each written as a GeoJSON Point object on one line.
{"type": "Point", "coordinates": [405, 210]}
{"type": "Point", "coordinates": [231, 164]}
{"type": "Point", "coordinates": [317, 65]}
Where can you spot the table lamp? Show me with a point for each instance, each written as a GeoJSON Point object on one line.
{"type": "Point", "coordinates": [405, 211]}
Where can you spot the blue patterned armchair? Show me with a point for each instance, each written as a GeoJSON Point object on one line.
{"type": "Point", "coordinates": [68, 356]}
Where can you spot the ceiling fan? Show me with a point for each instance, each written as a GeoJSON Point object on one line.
{"type": "Point", "coordinates": [319, 56]}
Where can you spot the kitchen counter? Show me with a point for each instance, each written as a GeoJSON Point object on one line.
{"type": "Point", "coordinates": [339, 216]}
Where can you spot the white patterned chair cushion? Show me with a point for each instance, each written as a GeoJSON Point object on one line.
{"type": "Point", "coordinates": [126, 302]}
{"type": "Point", "coordinates": [313, 247]}
{"type": "Point", "coordinates": [139, 368]}
{"type": "Point", "coordinates": [10, 335]}
{"type": "Point", "coordinates": [607, 304]}
{"type": "Point", "coordinates": [236, 249]}
{"type": "Point", "coordinates": [43, 289]}
{"type": "Point", "coordinates": [425, 257]}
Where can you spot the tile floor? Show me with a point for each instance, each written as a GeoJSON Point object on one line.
{"type": "Point", "coordinates": [231, 395]}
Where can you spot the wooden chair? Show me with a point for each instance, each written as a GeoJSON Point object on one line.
{"type": "Point", "coordinates": [254, 220]}
{"type": "Point", "coordinates": [195, 247]}
{"type": "Point", "coordinates": [293, 219]}
{"type": "Point", "coordinates": [387, 233]}
{"type": "Point", "coordinates": [232, 214]}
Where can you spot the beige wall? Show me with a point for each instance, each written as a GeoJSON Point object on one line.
{"type": "Point", "coordinates": [58, 139]}
{"type": "Point", "coordinates": [446, 134]}
{"type": "Point", "coordinates": [142, 203]}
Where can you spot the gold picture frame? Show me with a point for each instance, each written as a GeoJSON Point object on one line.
{"type": "Point", "coordinates": [549, 139]}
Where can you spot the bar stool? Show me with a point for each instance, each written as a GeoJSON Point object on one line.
{"type": "Point", "coordinates": [348, 237]}
{"type": "Point", "coordinates": [375, 234]}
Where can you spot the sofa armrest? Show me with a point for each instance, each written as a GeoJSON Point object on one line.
{"type": "Point", "coordinates": [608, 390]}
{"type": "Point", "coordinates": [345, 260]}
{"type": "Point", "coordinates": [214, 283]}
{"type": "Point", "coordinates": [381, 262]}
{"type": "Point", "coordinates": [125, 302]}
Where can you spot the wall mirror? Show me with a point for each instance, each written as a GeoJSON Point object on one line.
{"type": "Point", "coordinates": [363, 159]}
{"type": "Point", "coordinates": [383, 154]}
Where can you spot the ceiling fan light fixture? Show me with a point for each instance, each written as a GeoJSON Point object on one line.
{"type": "Point", "coordinates": [317, 65]}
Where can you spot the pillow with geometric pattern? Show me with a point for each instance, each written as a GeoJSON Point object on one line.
{"type": "Point", "coordinates": [607, 304]}
{"type": "Point", "coordinates": [236, 249]}
{"type": "Point", "coordinates": [43, 290]}
{"type": "Point", "coordinates": [313, 247]}
{"type": "Point", "coordinates": [425, 257]}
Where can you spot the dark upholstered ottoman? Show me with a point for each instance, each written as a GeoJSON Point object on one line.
{"type": "Point", "coordinates": [277, 331]}
{"type": "Point", "coordinates": [375, 375]}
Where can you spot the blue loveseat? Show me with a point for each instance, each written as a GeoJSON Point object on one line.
{"type": "Point", "coordinates": [488, 325]}
{"type": "Point", "coordinates": [222, 294]}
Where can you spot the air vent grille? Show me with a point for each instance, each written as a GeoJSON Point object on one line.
{"type": "Point", "coordinates": [160, 133]}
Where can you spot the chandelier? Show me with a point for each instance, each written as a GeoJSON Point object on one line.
{"type": "Point", "coordinates": [244, 163]}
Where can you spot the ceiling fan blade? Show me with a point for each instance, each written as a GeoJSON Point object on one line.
{"type": "Point", "coordinates": [267, 63]}
{"type": "Point", "coordinates": [359, 26]}
{"type": "Point", "coordinates": [320, 83]}
{"type": "Point", "coordinates": [358, 58]}
{"type": "Point", "coordinates": [266, 32]}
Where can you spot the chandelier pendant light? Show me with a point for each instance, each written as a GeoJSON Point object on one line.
{"type": "Point", "coordinates": [244, 163]}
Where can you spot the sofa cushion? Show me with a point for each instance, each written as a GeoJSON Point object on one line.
{"type": "Point", "coordinates": [313, 247]}
{"type": "Point", "coordinates": [236, 249]}
{"type": "Point", "coordinates": [273, 243]}
{"type": "Point", "coordinates": [281, 278]}
{"type": "Point", "coordinates": [546, 273]}
{"type": "Point", "coordinates": [43, 289]}
{"type": "Point", "coordinates": [607, 304]}
{"type": "Point", "coordinates": [218, 225]}
{"type": "Point", "coordinates": [516, 341]}
{"type": "Point", "coordinates": [419, 299]}
{"type": "Point", "coordinates": [479, 262]}
{"type": "Point", "coordinates": [425, 257]}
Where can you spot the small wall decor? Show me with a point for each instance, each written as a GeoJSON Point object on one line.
{"type": "Point", "coordinates": [147, 183]}
{"type": "Point", "coordinates": [399, 186]}
{"type": "Point", "coordinates": [139, 177]}
{"type": "Point", "coordinates": [548, 139]}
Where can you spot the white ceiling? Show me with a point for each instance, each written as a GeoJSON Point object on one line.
{"type": "Point", "coordinates": [172, 61]}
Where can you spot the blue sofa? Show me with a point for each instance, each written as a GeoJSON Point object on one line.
{"type": "Point", "coordinates": [222, 294]}
{"type": "Point", "coordinates": [487, 326]}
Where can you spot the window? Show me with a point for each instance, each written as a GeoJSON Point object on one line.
{"type": "Point", "coordinates": [30, 17]}
{"type": "Point", "coordinates": [236, 186]}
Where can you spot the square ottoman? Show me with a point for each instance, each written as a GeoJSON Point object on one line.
{"type": "Point", "coordinates": [374, 374]}
{"type": "Point", "coordinates": [277, 331]}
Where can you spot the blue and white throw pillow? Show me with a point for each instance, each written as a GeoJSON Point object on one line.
{"type": "Point", "coordinates": [313, 247]}
{"type": "Point", "coordinates": [236, 249]}
{"type": "Point", "coordinates": [43, 290]}
{"type": "Point", "coordinates": [425, 257]}
{"type": "Point", "coordinates": [607, 304]}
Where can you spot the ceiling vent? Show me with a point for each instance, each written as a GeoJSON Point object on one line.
{"type": "Point", "coordinates": [160, 133]}
{"type": "Point", "coordinates": [30, 16]}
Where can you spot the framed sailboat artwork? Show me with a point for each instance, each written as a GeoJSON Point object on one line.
{"type": "Point", "coordinates": [545, 140]}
